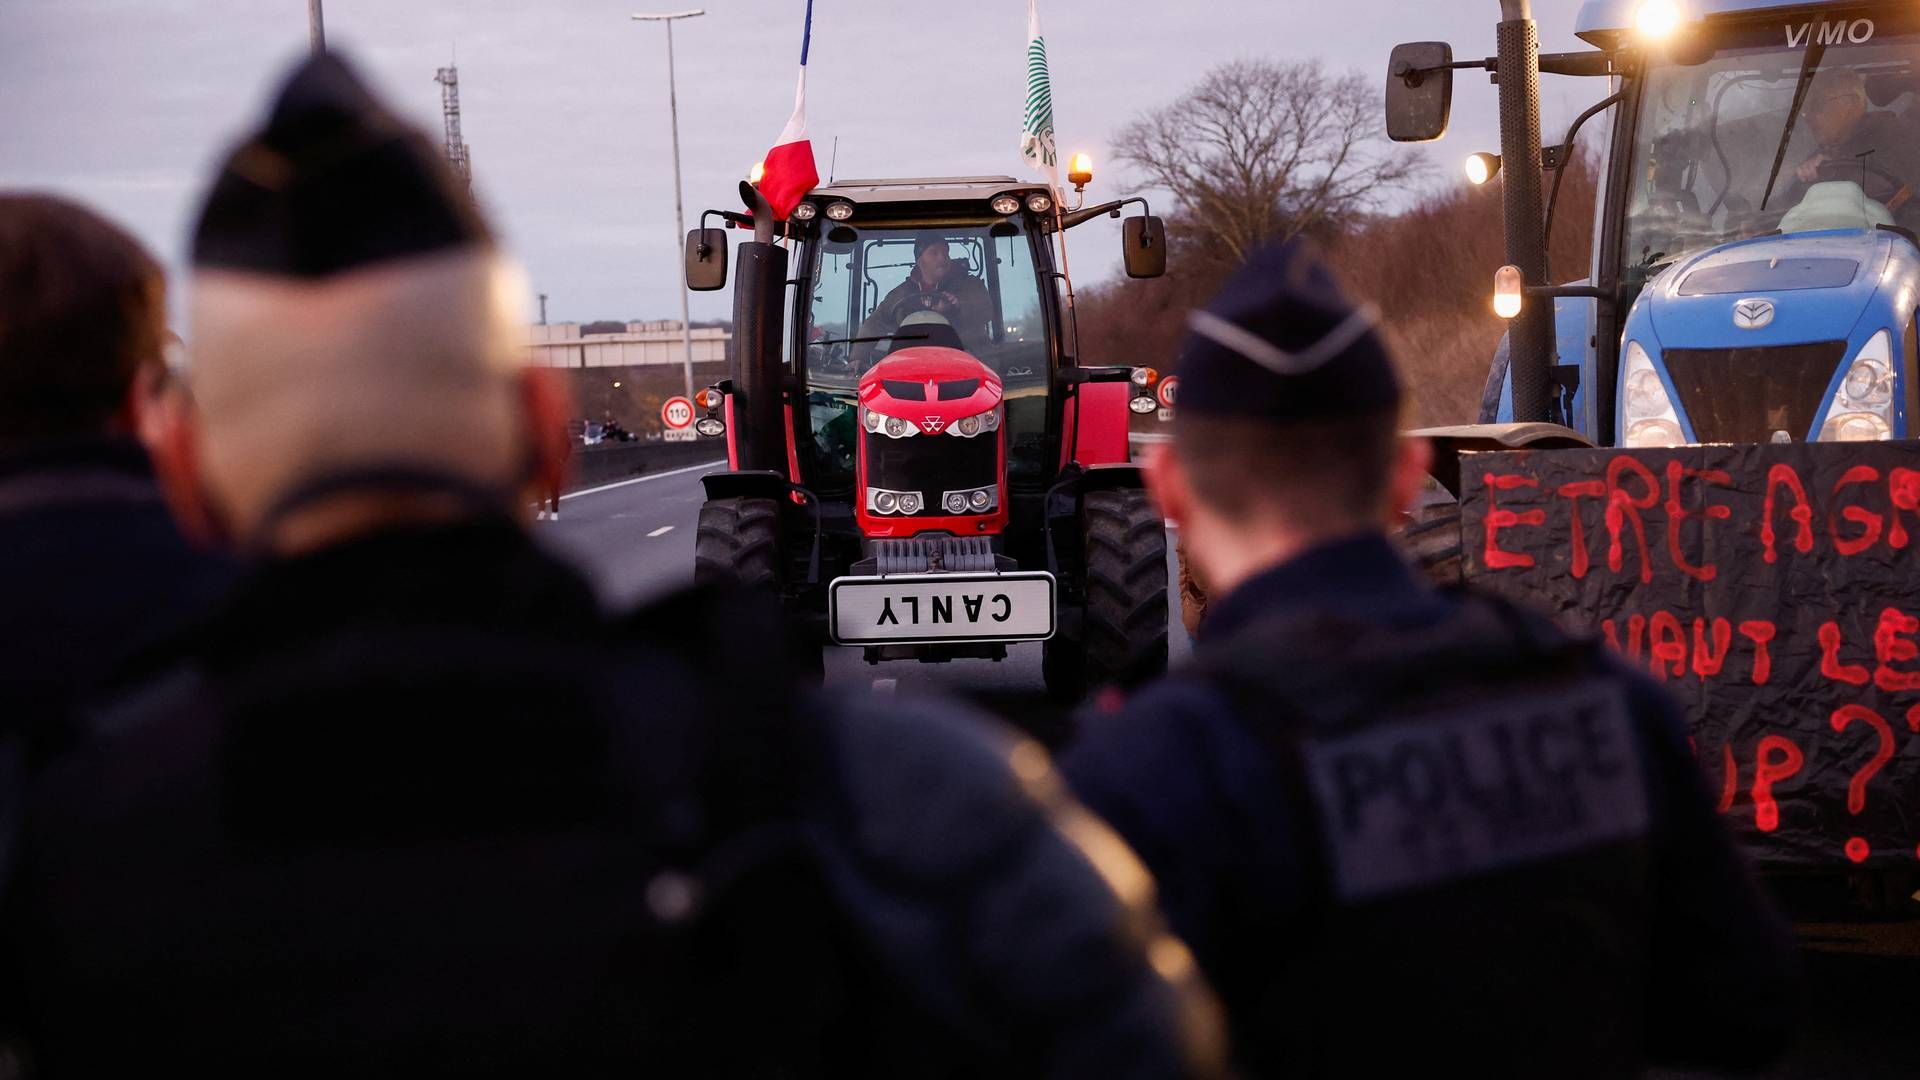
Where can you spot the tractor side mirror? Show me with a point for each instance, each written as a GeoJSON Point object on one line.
{"type": "Point", "coordinates": [1144, 243]}
{"type": "Point", "coordinates": [707, 260]}
{"type": "Point", "coordinates": [1419, 91]}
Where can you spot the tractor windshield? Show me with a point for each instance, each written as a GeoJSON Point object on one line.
{"type": "Point", "coordinates": [1789, 125]}
{"type": "Point", "coordinates": [974, 287]}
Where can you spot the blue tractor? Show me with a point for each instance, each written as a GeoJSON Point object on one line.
{"type": "Point", "coordinates": [1755, 273]}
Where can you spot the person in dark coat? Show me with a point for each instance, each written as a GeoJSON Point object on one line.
{"type": "Point", "coordinates": [92, 569]}
{"type": "Point", "coordinates": [414, 806]}
{"type": "Point", "coordinates": [1407, 832]}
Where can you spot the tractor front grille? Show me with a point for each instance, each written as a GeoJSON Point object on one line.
{"type": "Point", "coordinates": [932, 465]}
{"type": "Point", "coordinates": [1745, 395]}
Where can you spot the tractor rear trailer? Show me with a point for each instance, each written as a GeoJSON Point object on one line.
{"type": "Point", "coordinates": [1700, 447]}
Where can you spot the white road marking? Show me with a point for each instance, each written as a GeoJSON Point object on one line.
{"type": "Point", "coordinates": [661, 531]}
{"type": "Point", "coordinates": [640, 480]}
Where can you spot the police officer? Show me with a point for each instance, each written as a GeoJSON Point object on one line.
{"type": "Point", "coordinates": [1406, 833]}
{"type": "Point", "coordinates": [412, 806]}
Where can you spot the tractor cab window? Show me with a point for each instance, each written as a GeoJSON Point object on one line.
{"type": "Point", "coordinates": [875, 291]}
{"type": "Point", "coordinates": [1787, 126]}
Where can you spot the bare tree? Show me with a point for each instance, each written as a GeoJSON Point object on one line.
{"type": "Point", "coordinates": [1264, 150]}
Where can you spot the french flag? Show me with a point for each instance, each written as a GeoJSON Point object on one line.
{"type": "Point", "coordinates": [789, 169]}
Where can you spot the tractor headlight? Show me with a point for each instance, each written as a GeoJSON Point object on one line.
{"type": "Point", "coordinates": [891, 426]}
{"type": "Point", "coordinates": [840, 211]}
{"type": "Point", "coordinates": [1862, 408]}
{"type": "Point", "coordinates": [1005, 204]}
{"type": "Point", "coordinates": [1039, 203]}
{"type": "Point", "coordinates": [968, 426]}
{"type": "Point", "coordinates": [1647, 416]}
{"type": "Point", "coordinates": [882, 501]}
{"type": "Point", "coordinates": [805, 211]}
{"type": "Point", "coordinates": [977, 500]}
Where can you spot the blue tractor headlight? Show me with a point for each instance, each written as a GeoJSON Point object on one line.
{"type": "Point", "coordinates": [1862, 408]}
{"type": "Point", "coordinates": [1647, 416]}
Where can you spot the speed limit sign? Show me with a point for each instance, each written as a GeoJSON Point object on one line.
{"type": "Point", "coordinates": [1167, 387]}
{"type": "Point", "coordinates": [677, 413]}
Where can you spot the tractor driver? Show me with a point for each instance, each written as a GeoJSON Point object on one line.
{"type": "Point", "coordinates": [934, 285]}
{"type": "Point", "coordinates": [1868, 146]}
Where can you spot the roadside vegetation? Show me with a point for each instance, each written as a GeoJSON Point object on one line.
{"type": "Point", "coordinates": [1291, 150]}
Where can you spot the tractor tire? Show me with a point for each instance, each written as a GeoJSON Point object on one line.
{"type": "Point", "coordinates": [1123, 627]}
{"type": "Point", "coordinates": [1431, 540]}
{"type": "Point", "coordinates": [738, 543]}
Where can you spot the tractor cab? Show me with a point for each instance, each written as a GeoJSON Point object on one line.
{"type": "Point", "coordinates": [977, 283]}
{"type": "Point", "coordinates": [920, 464]}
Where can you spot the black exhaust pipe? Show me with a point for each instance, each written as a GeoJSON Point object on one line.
{"type": "Point", "coordinates": [1530, 335]}
{"type": "Point", "coordinates": [758, 291]}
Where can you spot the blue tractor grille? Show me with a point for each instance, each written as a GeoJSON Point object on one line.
{"type": "Point", "coordinates": [1745, 395]}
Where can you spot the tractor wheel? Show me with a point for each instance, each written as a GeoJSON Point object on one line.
{"type": "Point", "coordinates": [1431, 539]}
{"type": "Point", "coordinates": [738, 543]}
{"type": "Point", "coordinates": [1123, 627]}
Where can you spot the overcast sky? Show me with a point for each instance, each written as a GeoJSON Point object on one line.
{"type": "Point", "coordinates": [127, 104]}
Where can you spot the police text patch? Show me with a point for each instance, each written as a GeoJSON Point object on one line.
{"type": "Point", "coordinates": [1452, 794]}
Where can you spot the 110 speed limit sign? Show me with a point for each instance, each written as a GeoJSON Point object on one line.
{"type": "Point", "coordinates": [677, 413]}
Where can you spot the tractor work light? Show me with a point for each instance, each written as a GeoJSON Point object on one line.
{"type": "Point", "coordinates": [805, 211]}
{"type": "Point", "coordinates": [1143, 404]}
{"type": "Point", "coordinates": [1039, 203]}
{"type": "Point", "coordinates": [840, 211]}
{"type": "Point", "coordinates": [1482, 168]}
{"type": "Point", "coordinates": [1005, 204]}
{"type": "Point", "coordinates": [1656, 20]}
{"type": "Point", "coordinates": [1080, 171]}
{"type": "Point", "coordinates": [1508, 293]}
{"type": "Point", "coordinates": [710, 426]}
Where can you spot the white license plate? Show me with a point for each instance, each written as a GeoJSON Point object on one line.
{"type": "Point", "coordinates": [909, 609]}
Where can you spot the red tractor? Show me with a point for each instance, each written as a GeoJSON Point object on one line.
{"type": "Point", "coordinates": [917, 462]}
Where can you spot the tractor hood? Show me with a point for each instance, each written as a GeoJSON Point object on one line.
{"type": "Point", "coordinates": [1771, 290]}
{"type": "Point", "coordinates": [930, 385]}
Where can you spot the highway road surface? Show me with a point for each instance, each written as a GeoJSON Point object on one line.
{"type": "Point", "coordinates": [635, 539]}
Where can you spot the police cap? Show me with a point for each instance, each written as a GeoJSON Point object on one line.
{"type": "Point", "coordinates": [1283, 342]}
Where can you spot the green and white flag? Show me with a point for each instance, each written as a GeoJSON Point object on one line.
{"type": "Point", "coordinates": [1036, 135]}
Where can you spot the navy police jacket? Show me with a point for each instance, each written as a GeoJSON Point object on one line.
{"type": "Point", "coordinates": [417, 808]}
{"type": "Point", "coordinates": [1598, 920]}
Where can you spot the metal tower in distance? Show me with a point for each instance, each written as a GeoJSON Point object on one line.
{"type": "Point", "coordinates": [449, 79]}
